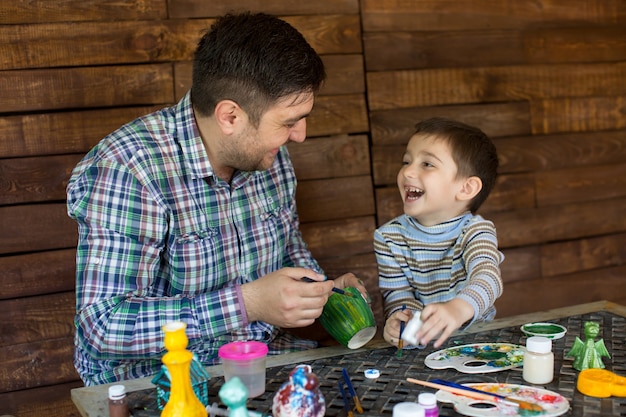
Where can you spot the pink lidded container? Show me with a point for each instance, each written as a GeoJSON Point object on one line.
{"type": "Point", "coordinates": [246, 360]}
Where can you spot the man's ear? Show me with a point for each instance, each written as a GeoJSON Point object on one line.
{"type": "Point", "coordinates": [227, 114]}
{"type": "Point", "coordinates": [470, 188]}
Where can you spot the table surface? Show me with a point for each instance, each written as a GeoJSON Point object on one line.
{"type": "Point", "coordinates": [380, 395]}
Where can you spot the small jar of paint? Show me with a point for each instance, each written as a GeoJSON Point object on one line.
{"type": "Point", "coordinates": [428, 401]}
{"type": "Point", "coordinates": [118, 403]}
{"type": "Point", "coordinates": [408, 409]}
{"type": "Point", "coordinates": [538, 360]}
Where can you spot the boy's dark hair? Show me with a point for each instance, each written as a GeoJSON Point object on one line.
{"type": "Point", "coordinates": [473, 152]}
{"type": "Point", "coordinates": [254, 60]}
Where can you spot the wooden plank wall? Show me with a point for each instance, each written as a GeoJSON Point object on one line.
{"type": "Point", "coordinates": [545, 78]}
{"type": "Point", "coordinates": [71, 72]}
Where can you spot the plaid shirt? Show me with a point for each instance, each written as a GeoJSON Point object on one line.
{"type": "Point", "coordinates": [162, 239]}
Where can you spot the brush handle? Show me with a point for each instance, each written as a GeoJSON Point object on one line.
{"type": "Point", "coordinates": [400, 341]}
{"type": "Point", "coordinates": [522, 404]}
{"type": "Point", "coordinates": [459, 386]}
{"type": "Point", "coordinates": [335, 289]}
{"type": "Point", "coordinates": [346, 406]}
{"type": "Point", "coordinates": [478, 394]}
{"type": "Point", "coordinates": [462, 391]}
{"type": "Point", "coordinates": [357, 403]}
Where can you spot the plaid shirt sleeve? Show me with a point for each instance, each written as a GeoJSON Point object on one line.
{"type": "Point", "coordinates": [122, 302]}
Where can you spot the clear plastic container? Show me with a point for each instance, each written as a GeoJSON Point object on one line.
{"type": "Point", "coordinates": [245, 360]}
{"type": "Point", "coordinates": [538, 360]}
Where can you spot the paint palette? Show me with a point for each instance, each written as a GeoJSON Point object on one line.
{"type": "Point", "coordinates": [477, 358]}
{"type": "Point", "coordinates": [553, 404]}
{"type": "Point", "coordinates": [549, 330]}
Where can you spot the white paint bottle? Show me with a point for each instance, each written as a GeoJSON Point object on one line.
{"type": "Point", "coordinates": [408, 409]}
{"type": "Point", "coordinates": [538, 360]}
{"type": "Point", "coordinates": [409, 334]}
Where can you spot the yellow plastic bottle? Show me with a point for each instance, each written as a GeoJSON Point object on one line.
{"type": "Point", "coordinates": [183, 401]}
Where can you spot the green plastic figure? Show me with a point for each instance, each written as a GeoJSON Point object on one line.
{"type": "Point", "coordinates": [588, 354]}
{"type": "Point", "coordinates": [234, 394]}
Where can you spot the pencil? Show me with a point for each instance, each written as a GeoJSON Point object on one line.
{"type": "Point", "coordinates": [357, 403]}
{"type": "Point", "coordinates": [479, 395]}
{"type": "Point", "coordinates": [335, 289]}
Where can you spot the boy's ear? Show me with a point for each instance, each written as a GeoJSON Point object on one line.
{"type": "Point", "coordinates": [470, 188]}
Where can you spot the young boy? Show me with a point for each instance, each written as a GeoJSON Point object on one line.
{"type": "Point", "coordinates": [439, 257]}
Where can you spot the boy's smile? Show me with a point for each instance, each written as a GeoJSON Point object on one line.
{"type": "Point", "coordinates": [413, 193]}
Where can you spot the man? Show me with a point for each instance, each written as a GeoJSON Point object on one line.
{"type": "Point", "coordinates": [188, 214]}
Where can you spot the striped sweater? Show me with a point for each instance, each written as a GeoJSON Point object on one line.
{"type": "Point", "coordinates": [419, 265]}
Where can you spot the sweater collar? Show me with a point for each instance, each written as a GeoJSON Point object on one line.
{"type": "Point", "coordinates": [441, 229]}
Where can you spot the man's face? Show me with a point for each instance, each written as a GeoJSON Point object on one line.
{"type": "Point", "coordinates": [255, 148]}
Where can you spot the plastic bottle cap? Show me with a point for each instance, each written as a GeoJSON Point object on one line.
{"type": "Point", "coordinates": [539, 344]}
{"type": "Point", "coordinates": [408, 409]}
{"type": "Point", "coordinates": [243, 350]}
{"type": "Point", "coordinates": [427, 398]}
{"type": "Point", "coordinates": [117, 391]}
{"type": "Point", "coordinates": [372, 373]}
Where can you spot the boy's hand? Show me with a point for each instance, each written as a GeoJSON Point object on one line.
{"type": "Point", "coordinates": [441, 319]}
{"type": "Point", "coordinates": [391, 332]}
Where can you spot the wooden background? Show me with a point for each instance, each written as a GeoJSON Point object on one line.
{"type": "Point", "coordinates": [545, 78]}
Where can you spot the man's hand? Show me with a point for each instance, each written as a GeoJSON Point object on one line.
{"type": "Point", "coordinates": [283, 300]}
{"type": "Point", "coordinates": [351, 280]}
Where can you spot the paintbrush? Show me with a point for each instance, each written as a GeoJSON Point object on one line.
{"type": "Point", "coordinates": [357, 403]}
{"type": "Point", "coordinates": [399, 351]}
{"type": "Point", "coordinates": [522, 404]}
{"type": "Point", "coordinates": [335, 289]}
{"type": "Point", "coordinates": [346, 405]}
{"type": "Point", "coordinates": [400, 341]}
{"type": "Point", "coordinates": [479, 395]}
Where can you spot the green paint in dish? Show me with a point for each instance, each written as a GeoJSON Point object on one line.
{"type": "Point", "coordinates": [543, 328]}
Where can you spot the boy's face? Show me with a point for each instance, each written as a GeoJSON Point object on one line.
{"type": "Point", "coordinates": [427, 181]}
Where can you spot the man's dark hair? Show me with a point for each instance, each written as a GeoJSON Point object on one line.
{"type": "Point", "coordinates": [254, 60]}
{"type": "Point", "coordinates": [472, 150]}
